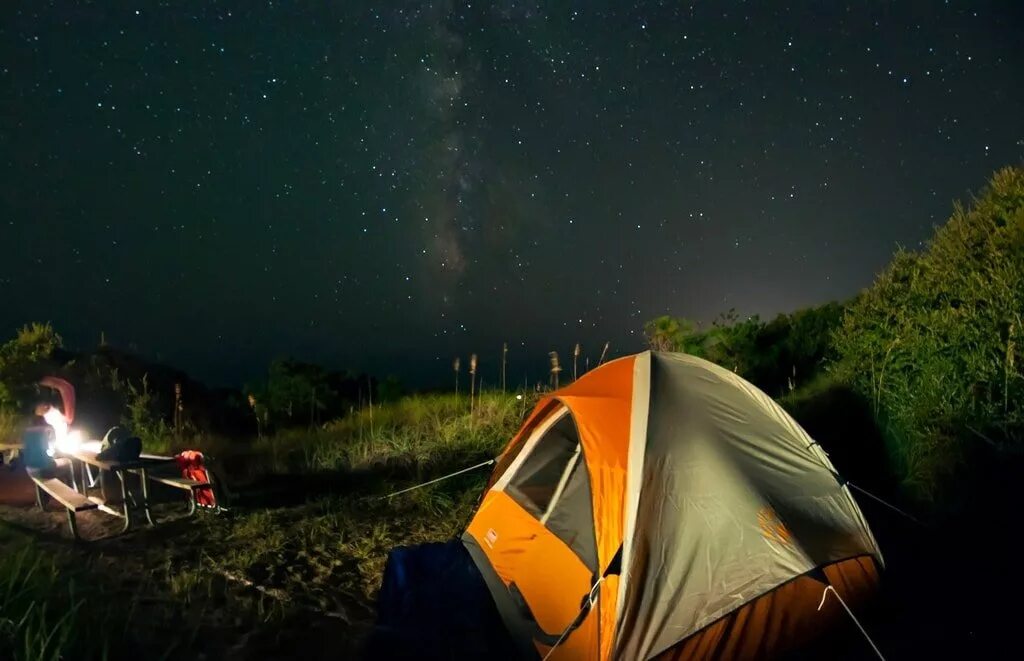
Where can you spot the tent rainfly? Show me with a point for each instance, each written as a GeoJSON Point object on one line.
{"type": "Point", "coordinates": [663, 507]}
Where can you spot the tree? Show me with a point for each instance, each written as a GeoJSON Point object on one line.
{"type": "Point", "coordinates": [390, 390]}
{"type": "Point", "coordinates": [792, 349]}
{"type": "Point", "coordinates": [295, 393]}
{"type": "Point", "coordinates": [733, 343]}
{"type": "Point", "coordinates": [667, 333]}
{"type": "Point", "coordinates": [24, 360]}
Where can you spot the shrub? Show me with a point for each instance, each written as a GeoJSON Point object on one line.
{"type": "Point", "coordinates": [933, 343]}
{"type": "Point", "coordinates": [24, 360]}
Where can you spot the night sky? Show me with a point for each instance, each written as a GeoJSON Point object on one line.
{"type": "Point", "coordinates": [383, 186]}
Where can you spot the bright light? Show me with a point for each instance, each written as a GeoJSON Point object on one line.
{"type": "Point", "coordinates": [519, 397]}
{"type": "Point", "coordinates": [56, 419]}
{"type": "Point", "coordinates": [92, 446]}
{"type": "Point", "coordinates": [70, 442]}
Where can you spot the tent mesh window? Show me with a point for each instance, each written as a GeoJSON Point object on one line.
{"type": "Point", "coordinates": [552, 484]}
{"type": "Point", "coordinates": [550, 411]}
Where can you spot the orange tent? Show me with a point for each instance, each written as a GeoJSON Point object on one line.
{"type": "Point", "coordinates": [663, 507]}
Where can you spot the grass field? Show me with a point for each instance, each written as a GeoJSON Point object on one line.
{"type": "Point", "coordinates": [296, 562]}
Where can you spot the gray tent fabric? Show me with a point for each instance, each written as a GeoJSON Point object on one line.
{"type": "Point", "coordinates": [734, 500]}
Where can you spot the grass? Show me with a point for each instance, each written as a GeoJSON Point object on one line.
{"type": "Point", "coordinates": [416, 430]}
{"type": "Point", "coordinates": [302, 549]}
{"type": "Point", "coordinates": [338, 542]}
{"type": "Point", "coordinates": [47, 605]}
{"type": "Point", "coordinates": [402, 440]}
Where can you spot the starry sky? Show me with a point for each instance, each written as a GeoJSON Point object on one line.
{"type": "Point", "coordinates": [385, 185]}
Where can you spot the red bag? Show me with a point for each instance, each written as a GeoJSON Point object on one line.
{"type": "Point", "coordinates": [191, 464]}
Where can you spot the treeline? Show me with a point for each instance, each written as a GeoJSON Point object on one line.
{"type": "Point", "coordinates": [115, 387]}
{"type": "Point", "coordinates": [931, 347]}
{"type": "Point", "coordinates": [777, 356]}
{"type": "Point", "coordinates": [296, 393]}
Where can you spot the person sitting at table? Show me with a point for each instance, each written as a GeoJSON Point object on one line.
{"type": "Point", "coordinates": [35, 445]}
{"type": "Point", "coordinates": [59, 419]}
{"type": "Point", "coordinates": [39, 438]}
{"type": "Point", "coordinates": [50, 425]}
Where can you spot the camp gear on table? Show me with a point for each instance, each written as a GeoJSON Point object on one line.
{"type": "Point", "coordinates": [193, 468]}
{"type": "Point", "coordinates": [119, 445]}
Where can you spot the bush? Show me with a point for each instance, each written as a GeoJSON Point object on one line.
{"type": "Point", "coordinates": [23, 361]}
{"type": "Point", "coordinates": [933, 343]}
{"type": "Point", "coordinates": [778, 356]}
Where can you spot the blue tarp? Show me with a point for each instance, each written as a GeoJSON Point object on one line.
{"type": "Point", "coordinates": [434, 604]}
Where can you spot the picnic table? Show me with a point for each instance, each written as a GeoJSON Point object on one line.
{"type": "Point", "coordinates": [76, 496]}
{"type": "Point", "coordinates": [82, 459]}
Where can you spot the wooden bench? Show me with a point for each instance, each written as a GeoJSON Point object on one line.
{"type": "Point", "coordinates": [182, 483]}
{"type": "Point", "coordinates": [73, 501]}
{"type": "Point", "coordinates": [178, 482]}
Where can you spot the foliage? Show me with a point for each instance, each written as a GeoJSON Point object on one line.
{"type": "Point", "coordinates": [933, 343]}
{"type": "Point", "coordinates": [294, 393]}
{"type": "Point", "coordinates": [24, 360]}
{"type": "Point", "coordinates": [143, 415]}
{"type": "Point", "coordinates": [390, 390]}
{"type": "Point", "coordinates": [733, 343]}
{"type": "Point", "coordinates": [667, 333]}
{"type": "Point", "coordinates": [778, 356]}
{"type": "Point", "coordinates": [793, 349]}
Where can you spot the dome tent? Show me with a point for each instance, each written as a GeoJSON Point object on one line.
{"type": "Point", "coordinates": [662, 506]}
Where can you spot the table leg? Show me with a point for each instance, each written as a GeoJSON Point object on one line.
{"type": "Point", "coordinates": [74, 481]}
{"type": "Point", "coordinates": [73, 523]}
{"type": "Point", "coordinates": [145, 496]}
{"type": "Point", "coordinates": [125, 506]}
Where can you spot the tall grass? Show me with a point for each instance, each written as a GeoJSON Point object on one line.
{"type": "Point", "coordinates": [44, 612]}
{"type": "Point", "coordinates": [329, 552]}
{"type": "Point", "coordinates": [419, 431]}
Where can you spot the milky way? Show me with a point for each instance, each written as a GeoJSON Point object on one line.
{"type": "Point", "coordinates": [386, 185]}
